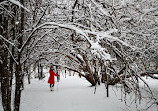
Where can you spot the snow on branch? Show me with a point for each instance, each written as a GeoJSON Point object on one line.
{"type": "Point", "coordinates": [40, 38]}
{"type": "Point", "coordinates": [6, 40]}
{"type": "Point", "coordinates": [12, 55]}
{"type": "Point", "coordinates": [101, 35]}
{"type": "Point", "coordinates": [97, 49]}
{"type": "Point", "coordinates": [30, 35]}
{"type": "Point", "coordinates": [1, 3]}
{"type": "Point", "coordinates": [146, 11]}
{"type": "Point", "coordinates": [67, 67]}
{"type": "Point", "coordinates": [36, 43]}
{"type": "Point", "coordinates": [106, 13]}
{"type": "Point", "coordinates": [19, 4]}
{"type": "Point", "coordinates": [62, 53]}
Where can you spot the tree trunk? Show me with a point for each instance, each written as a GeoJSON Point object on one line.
{"type": "Point", "coordinates": [29, 75]}
{"type": "Point", "coordinates": [89, 77]}
{"type": "Point", "coordinates": [6, 100]}
{"type": "Point", "coordinates": [18, 73]}
{"type": "Point", "coordinates": [38, 71]}
{"type": "Point", "coordinates": [5, 87]}
{"type": "Point", "coordinates": [41, 73]}
{"type": "Point", "coordinates": [17, 88]}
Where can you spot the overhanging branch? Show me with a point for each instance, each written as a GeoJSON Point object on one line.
{"type": "Point", "coordinates": [64, 66]}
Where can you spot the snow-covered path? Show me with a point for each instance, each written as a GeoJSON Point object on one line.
{"type": "Point", "coordinates": [71, 94]}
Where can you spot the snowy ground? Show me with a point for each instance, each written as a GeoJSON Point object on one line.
{"type": "Point", "coordinates": [70, 94]}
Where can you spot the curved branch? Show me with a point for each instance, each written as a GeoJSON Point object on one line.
{"type": "Point", "coordinates": [64, 66]}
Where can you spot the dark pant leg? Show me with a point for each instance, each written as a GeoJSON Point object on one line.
{"type": "Point", "coordinates": [51, 85]}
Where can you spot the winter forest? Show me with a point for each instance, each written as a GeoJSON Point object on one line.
{"type": "Point", "coordinates": [105, 52]}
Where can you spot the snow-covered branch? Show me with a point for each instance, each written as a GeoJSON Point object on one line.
{"type": "Point", "coordinates": [12, 55]}
{"type": "Point", "coordinates": [7, 40]}
{"type": "Point", "coordinates": [19, 4]}
{"type": "Point", "coordinates": [37, 40]}
{"type": "Point", "coordinates": [146, 11]}
{"type": "Point", "coordinates": [72, 69]}
{"type": "Point", "coordinates": [106, 13]}
{"type": "Point", "coordinates": [94, 45]}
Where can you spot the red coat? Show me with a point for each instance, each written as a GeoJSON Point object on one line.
{"type": "Point", "coordinates": [51, 78]}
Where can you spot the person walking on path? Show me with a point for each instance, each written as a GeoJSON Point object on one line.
{"type": "Point", "coordinates": [51, 80]}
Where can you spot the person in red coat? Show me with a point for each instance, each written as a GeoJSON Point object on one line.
{"type": "Point", "coordinates": [51, 78]}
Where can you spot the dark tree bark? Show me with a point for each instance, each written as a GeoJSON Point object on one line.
{"type": "Point", "coordinates": [73, 10]}
{"type": "Point", "coordinates": [18, 73]}
{"type": "Point", "coordinates": [90, 76]}
{"type": "Point", "coordinates": [5, 77]}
